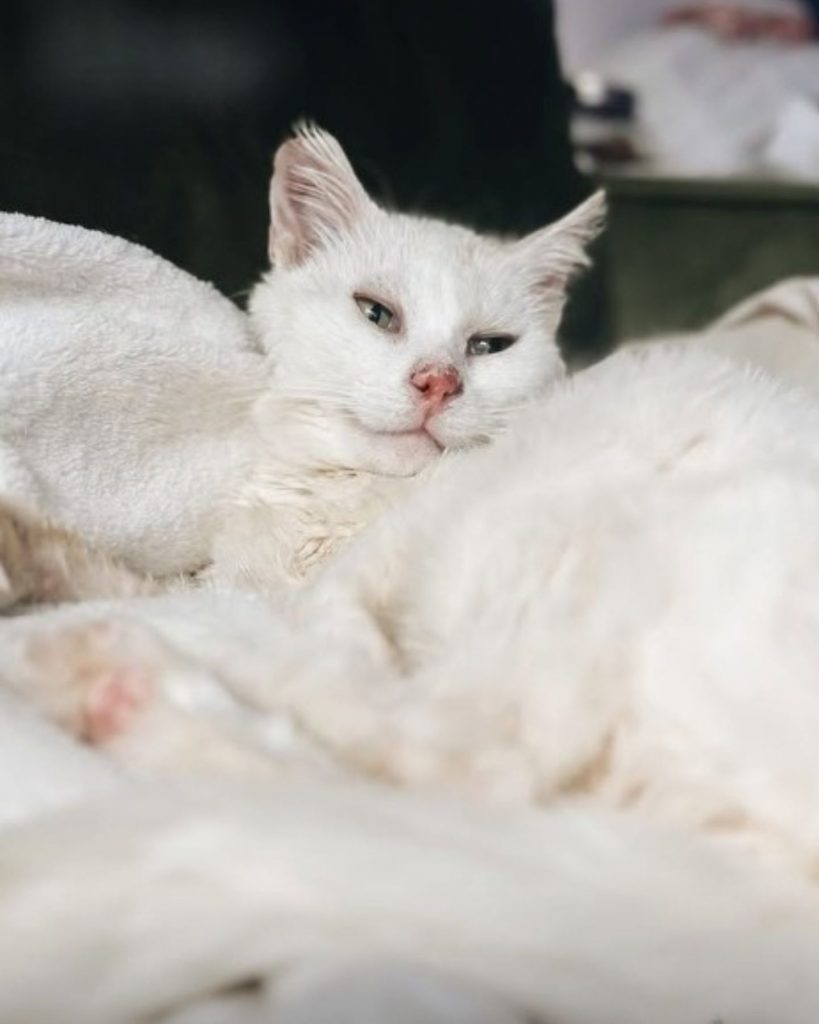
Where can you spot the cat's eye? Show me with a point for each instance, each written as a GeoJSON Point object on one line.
{"type": "Point", "coordinates": [377, 313]}
{"type": "Point", "coordinates": [489, 344]}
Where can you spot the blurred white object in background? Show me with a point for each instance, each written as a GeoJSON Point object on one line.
{"type": "Point", "coordinates": [707, 107]}
{"type": "Point", "coordinates": [704, 107]}
{"type": "Point", "coordinates": [794, 146]}
{"type": "Point", "coordinates": [587, 30]}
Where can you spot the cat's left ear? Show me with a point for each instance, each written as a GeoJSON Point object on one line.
{"type": "Point", "coordinates": [554, 254]}
{"type": "Point", "coordinates": [314, 195]}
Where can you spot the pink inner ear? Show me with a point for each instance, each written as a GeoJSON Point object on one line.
{"type": "Point", "coordinates": [289, 244]}
{"type": "Point", "coordinates": [314, 195]}
{"type": "Point", "coordinates": [552, 283]}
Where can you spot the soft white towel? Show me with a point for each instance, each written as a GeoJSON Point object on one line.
{"type": "Point", "coordinates": [125, 385]}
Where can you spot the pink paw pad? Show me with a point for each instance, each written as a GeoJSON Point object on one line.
{"type": "Point", "coordinates": [111, 704]}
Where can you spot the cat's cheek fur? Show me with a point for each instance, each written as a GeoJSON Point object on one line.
{"type": "Point", "coordinates": [365, 374]}
{"type": "Point", "coordinates": [495, 389]}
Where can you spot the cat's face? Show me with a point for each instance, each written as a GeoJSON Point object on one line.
{"type": "Point", "coordinates": [407, 334]}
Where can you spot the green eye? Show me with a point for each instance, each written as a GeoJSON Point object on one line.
{"type": "Point", "coordinates": [377, 313]}
{"type": "Point", "coordinates": [489, 344]}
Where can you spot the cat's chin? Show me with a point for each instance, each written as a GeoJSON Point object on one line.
{"type": "Point", "coordinates": [398, 453]}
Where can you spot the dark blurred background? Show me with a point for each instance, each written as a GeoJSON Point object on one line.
{"type": "Point", "coordinates": [156, 120]}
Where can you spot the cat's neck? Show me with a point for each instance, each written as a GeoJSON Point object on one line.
{"type": "Point", "coordinates": [304, 494]}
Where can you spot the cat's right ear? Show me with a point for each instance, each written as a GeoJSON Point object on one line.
{"type": "Point", "coordinates": [552, 255]}
{"type": "Point", "coordinates": [314, 196]}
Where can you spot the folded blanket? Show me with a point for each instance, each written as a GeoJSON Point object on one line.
{"type": "Point", "coordinates": [775, 330]}
{"type": "Point", "coordinates": [792, 301]}
{"type": "Point", "coordinates": [125, 385]}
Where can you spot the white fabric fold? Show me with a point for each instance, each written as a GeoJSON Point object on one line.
{"type": "Point", "coordinates": [124, 390]}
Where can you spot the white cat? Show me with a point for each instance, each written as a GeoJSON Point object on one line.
{"type": "Point", "coordinates": [387, 338]}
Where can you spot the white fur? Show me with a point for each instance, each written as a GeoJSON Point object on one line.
{"type": "Point", "coordinates": [618, 598]}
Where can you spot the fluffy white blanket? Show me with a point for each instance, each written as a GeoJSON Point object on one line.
{"type": "Point", "coordinates": [80, 312]}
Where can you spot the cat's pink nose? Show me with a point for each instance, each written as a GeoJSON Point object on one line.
{"type": "Point", "coordinates": [435, 385]}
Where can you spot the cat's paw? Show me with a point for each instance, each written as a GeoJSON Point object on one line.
{"type": "Point", "coordinates": [96, 678]}
{"type": "Point", "coordinates": [113, 701]}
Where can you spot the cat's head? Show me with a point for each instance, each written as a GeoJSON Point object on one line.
{"type": "Point", "coordinates": [407, 335]}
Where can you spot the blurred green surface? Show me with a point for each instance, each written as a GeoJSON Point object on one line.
{"type": "Point", "coordinates": [680, 252]}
